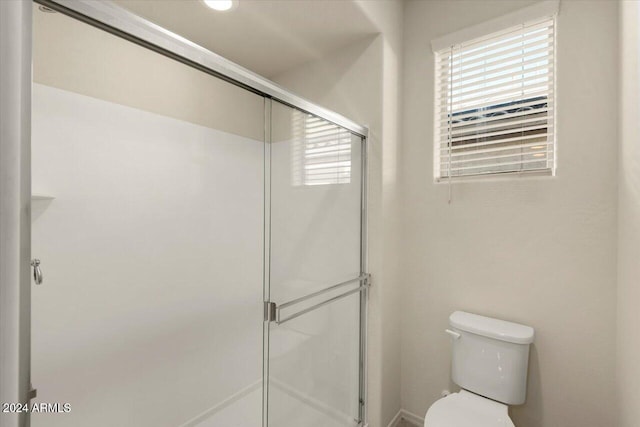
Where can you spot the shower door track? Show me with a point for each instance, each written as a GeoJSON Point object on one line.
{"type": "Point", "coordinates": [122, 23]}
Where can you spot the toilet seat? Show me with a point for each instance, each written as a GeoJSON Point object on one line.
{"type": "Point", "coordinates": [466, 409]}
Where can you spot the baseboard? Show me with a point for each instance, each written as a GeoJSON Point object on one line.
{"type": "Point", "coordinates": [412, 418]}
{"type": "Point", "coordinates": [316, 404]}
{"type": "Point", "coordinates": [408, 417]}
{"type": "Point", "coordinates": [395, 422]}
{"type": "Point", "coordinates": [221, 405]}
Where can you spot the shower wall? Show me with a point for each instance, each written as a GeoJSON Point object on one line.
{"type": "Point", "coordinates": [153, 263]}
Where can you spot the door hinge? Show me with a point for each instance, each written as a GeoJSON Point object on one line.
{"type": "Point", "coordinates": [32, 393]}
{"type": "Point", "coordinates": [269, 311]}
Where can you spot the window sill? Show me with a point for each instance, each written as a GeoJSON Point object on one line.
{"type": "Point", "coordinates": [503, 176]}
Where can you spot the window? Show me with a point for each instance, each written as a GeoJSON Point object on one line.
{"type": "Point", "coordinates": [321, 151]}
{"type": "Point", "coordinates": [494, 108]}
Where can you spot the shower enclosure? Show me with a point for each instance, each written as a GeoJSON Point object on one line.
{"type": "Point", "coordinates": [200, 234]}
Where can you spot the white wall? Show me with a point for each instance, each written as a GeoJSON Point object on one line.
{"type": "Point", "coordinates": [362, 82]}
{"type": "Point", "coordinates": [540, 251]}
{"type": "Point", "coordinates": [628, 353]}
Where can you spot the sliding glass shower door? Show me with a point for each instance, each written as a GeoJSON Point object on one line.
{"type": "Point", "coordinates": [316, 279]}
{"type": "Point", "coordinates": [202, 245]}
{"type": "Point", "coordinates": [148, 187]}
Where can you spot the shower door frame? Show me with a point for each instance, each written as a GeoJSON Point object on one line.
{"type": "Point", "coordinates": [15, 208]}
{"type": "Point", "coordinates": [272, 309]}
{"type": "Point", "coordinates": [15, 351]}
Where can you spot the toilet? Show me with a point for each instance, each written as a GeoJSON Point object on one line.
{"type": "Point", "coordinates": [489, 362]}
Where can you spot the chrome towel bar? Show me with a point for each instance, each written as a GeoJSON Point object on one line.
{"type": "Point", "coordinates": [275, 311]}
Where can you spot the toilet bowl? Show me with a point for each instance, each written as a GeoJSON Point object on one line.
{"type": "Point", "coordinates": [489, 362]}
{"type": "Point", "coordinates": [465, 409]}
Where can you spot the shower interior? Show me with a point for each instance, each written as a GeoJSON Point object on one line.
{"type": "Point", "coordinates": [202, 245]}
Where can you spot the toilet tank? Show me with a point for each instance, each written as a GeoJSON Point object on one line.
{"type": "Point", "coordinates": [490, 356]}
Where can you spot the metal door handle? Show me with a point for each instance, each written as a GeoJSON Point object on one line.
{"type": "Point", "coordinates": [37, 272]}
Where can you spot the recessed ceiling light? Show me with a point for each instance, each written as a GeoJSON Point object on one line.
{"type": "Point", "coordinates": [220, 5]}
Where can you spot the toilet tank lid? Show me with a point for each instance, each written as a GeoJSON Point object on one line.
{"type": "Point", "coordinates": [492, 328]}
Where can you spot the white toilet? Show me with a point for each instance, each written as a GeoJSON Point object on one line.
{"type": "Point", "coordinates": [489, 363]}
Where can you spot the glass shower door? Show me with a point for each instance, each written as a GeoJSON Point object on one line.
{"type": "Point", "coordinates": [315, 280]}
{"type": "Point", "coordinates": [148, 220]}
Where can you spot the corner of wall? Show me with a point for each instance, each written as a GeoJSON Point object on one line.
{"type": "Point", "coordinates": [628, 270]}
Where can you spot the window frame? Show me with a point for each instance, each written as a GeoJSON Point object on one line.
{"type": "Point", "coordinates": [497, 31]}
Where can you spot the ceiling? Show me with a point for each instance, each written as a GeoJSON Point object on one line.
{"type": "Point", "coordinates": [265, 36]}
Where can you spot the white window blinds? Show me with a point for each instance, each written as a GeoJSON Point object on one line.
{"type": "Point", "coordinates": [495, 103]}
{"type": "Point", "coordinates": [321, 151]}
